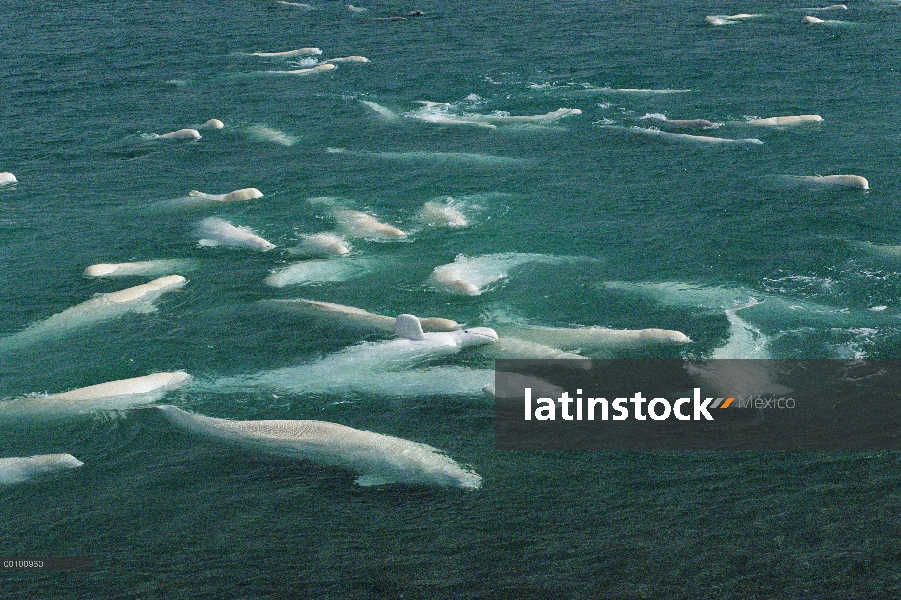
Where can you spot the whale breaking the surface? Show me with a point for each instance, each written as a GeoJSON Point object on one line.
{"type": "Point", "coordinates": [19, 469]}
{"type": "Point", "coordinates": [214, 231]}
{"type": "Point", "coordinates": [378, 459]}
{"type": "Point", "coordinates": [153, 268]}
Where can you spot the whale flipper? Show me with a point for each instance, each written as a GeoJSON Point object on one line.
{"type": "Point", "coordinates": [409, 327]}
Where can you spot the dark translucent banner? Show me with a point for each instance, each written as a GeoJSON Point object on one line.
{"type": "Point", "coordinates": [68, 563]}
{"type": "Point", "coordinates": [698, 405]}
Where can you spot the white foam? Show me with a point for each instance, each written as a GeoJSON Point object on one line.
{"type": "Point", "coordinates": [442, 215]}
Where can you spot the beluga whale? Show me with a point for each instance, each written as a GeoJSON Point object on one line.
{"type": "Point", "coordinates": [396, 368]}
{"type": "Point", "coordinates": [470, 276]}
{"type": "Point", "coordinates": [359, 316]}
{"type": "Point", "coordinates": [112, 395]}
{"type": "Point", "coordinates": [7, 178]}
{"type": "Point", "coordinates": [235, 196]}
{"type": "Point", "coordinates": [377, 459]}
{"type": "Point", "coordinates": [104, 307]}
{"type": "Point", "coordinates": [181, 134]}
{"type": "Point", "coordinates": [22, 468]}
{"type": "Point", "coordinates": [217, 232]}
{"type": "Point", "coordinates": [153, 268]}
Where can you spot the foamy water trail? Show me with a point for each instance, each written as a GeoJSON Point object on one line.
{"type": "Point", "coordinates": [384, 112]}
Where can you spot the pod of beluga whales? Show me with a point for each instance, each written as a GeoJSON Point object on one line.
{"type": "Point", "coordinates": [414, 358]}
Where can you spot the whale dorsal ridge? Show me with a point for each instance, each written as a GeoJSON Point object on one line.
{"type": "Point", "coordinates": [408, 326]}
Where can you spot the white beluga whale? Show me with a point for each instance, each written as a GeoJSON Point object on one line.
{"type": "Point", "coordinates": [662, 122]}
{"type": "Point", "coordinates": [288, 53]}
{"type": "Point", "coordinates": [7, 178]}
{"type": "Point", "coordinates": [442, 113]}
{"type": "Point", "coordinates": [153, 268]}
{"type": "Point", "coordinates": [302, 5]}
{"type": "Point", "coordinates": [308, 71]}
{"type": "Point", "coordinates": [212, 124]}
{"type": "Point", "coordinates": [354, 223]}
{"type": "Point", "coordinates": [695, 139]}
{"type": "Point", "coordinates": [829, 181]}
{"type": "Point", "coordinates": [359, 316]}
{"type": "Point", "coordinates": [347, 59]}
{"type": "Point", "coordinates": [594, 341]}
{"type": "Point", "coordinates": [217, 232]}
{"type": "Point", "coordinates": [464, 158]}
{"type": "Point", "coordinates": [786, 120]}
{"type": "Point", "coordinates": [104, 307]}
{"type": "Point", "coordinates": [812, 20]}
{"type": "Point", "coordinates": [319, 271]}
{"type": "Point", "coordinates": [235, 196]}
{"type": "Point", "coordinates": [390, 368]}
{"type": "Point", "coordinates": [508, 347]}
{"type": "Point", "coordinates": [439, 214]}
{"type": "Point", "coordinates": [471, 275]}
{"type": "Point", "coordinates": [112, 395]}
{"type": "Point", "coordinates": [729, 19]}
{"type": "Point", "coordinates": [377, 459]}
{"type": "Point", "coordinates": [181, 134]}
{"type": "Point", "coordinates": [22, 468]}
{"type": "Point", "coordinates": [321, 244]}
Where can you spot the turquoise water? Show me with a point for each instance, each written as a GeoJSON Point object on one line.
{"type": "Point", "coordinates": [165, 514]}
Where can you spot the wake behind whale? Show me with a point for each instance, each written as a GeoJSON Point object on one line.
{"type": "Point", "coordinates": [378, 459]}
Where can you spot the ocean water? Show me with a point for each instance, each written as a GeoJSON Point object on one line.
{"type": "Point", "coordinates": [165, 514]}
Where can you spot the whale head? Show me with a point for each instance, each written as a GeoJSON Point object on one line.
{"type": "Point", "coordinates": [475, 336]}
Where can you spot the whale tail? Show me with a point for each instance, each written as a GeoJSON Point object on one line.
{"type": "Point", "coordinates": [409, 327]}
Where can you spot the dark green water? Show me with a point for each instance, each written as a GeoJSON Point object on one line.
{"type": "Point", "coordinates": [163, 514]}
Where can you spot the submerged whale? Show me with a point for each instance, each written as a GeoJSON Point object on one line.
{"type": "Point", "coordinates": [319, 271]}
{"type": "Point", "coordinates": [6, 178]}
{"type": "Point", "coordinates": [386, 113]}
{"type": "Point", "coordinates": [19, 469]}
{"type": "Point", "coordinates": [103, 307]}
{"type": "Point", "coordinates": [317, 69]}
{"type": "Point", "coordinates": [348, 59]}
{"type": "Point", "coordinates": [698, 139]}
{"type": "Point", "coordinates": [288, 53]}
{"type": "Point", "coordinates": [216, 232]}
{"type": "Point", "coordinates": [321, 244]}
{"type": "Point", "coordinates": [389, 368]}
{"type": "Point", "coordinates": [352, 314]}
{"type": "Point", "coordinates": [153, 268]}
{"type": "Point", "coordinates": [663, 123]}
{"type": "Point", "coordinates": [377, 459]}
{"type": "Point", "coordinates": [112, 395]}
{"type": "Point", "coordinates": [439, 112]}
{"type": "Point", "coordinates": [470, 275]}
{"type": "Point", "coordinates": [441, 215]}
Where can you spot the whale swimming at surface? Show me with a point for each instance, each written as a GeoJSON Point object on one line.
{"type": "Point", "coordinates": [352, 314]}
{"type": "Point", "coordinates": [103, 307]}
{"type": "Point", "coordinates": [439, 112]}
{"type": "Point", "coordinates": [347, 59]}
{"type": "Point", "coordinates": [591, 341]}
{"type": "Point", "coordinates": [354, 223]}
{"type": "Point", "coordinates": [264, 133]}
{"type": "Point", "coordinates": [662, 122]}
{"type": "Point", "coordinates": [829, 181]}
{"type": "Point", "coordinates": [153, 268]}
{"type": "Point", "coordinates": [392, 368]}
{"type": "Point", "coordinates": [217, 232]}
{"type": "Point", "coordinates": [112, 395]}
{"type": "Point", "coordinates": [181, 134]}
{"type": "Point", "coordinates": [377, 459]}
{"type": "Point", "coordinates": [212, 124]}
{"type": "Point", "coordinates": [438, 214]}
{"type": "Point", "coordinates": [787, 120]}
{"type": "Point", "coordinates": [235, 196]}
{"type": "Point", "coordinates": [6, 178]}
{"type": "Point", "coordinates": [22, 468]}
